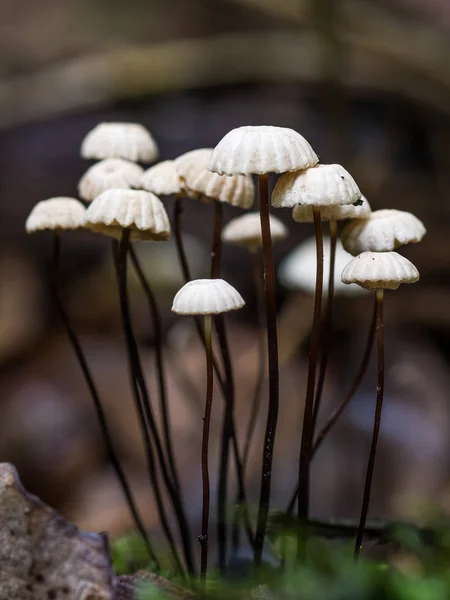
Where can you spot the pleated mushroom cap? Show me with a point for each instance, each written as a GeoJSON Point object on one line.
{"type": "Point", "coordinates": [237, 190]}
{"type": "Point", "coordinates": [298, 270]}
{"type": "Point", "coordinates": [130, 141]}
{"type": "Point", "coordinates": [383, 231]}
{"type": "Point", "coordinates": [162, 179]}
{"type": "Point", "coordinates": [259, 150]}
{"type": "Point", "coordinates": [380, 270]}
{"type": "Point", "coordinates": [322, 185]}
{"type": "Point", "coordinates": [304, 214]}
{"type": "Point", "coordinates": [108, 174]}
{"type": "Point", "coordinates": [207, 297]}
{"type": "Point", "coordinates": [246, 230]}
{"type": "Point", "coordinates": [141, 212]}
{"type": "Point", "coordinates": [57, 214]}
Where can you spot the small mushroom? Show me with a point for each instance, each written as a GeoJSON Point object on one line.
{"type": "Point", "coordinates": [140, 212]}
{"type": "Point", "coordinates": [56, 214]}
{"type": "Point", "coordinates": [131, 141]}
{"type": "Point", "coordinates": [110, 173]}
{"type": "Point", "coordinates": [206, 297]}
{"type": "Point", "coordinates": [377, 271]}
{"type": "Point", "coordinates": [162, 179]}
{"type": "Point", "coordinates": [382, 231]}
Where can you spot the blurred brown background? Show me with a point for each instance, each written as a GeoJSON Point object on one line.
{"type": "Point", "coordinates": [368, 84]}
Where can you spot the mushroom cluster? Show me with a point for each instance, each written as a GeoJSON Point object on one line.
{"type": "Point", "coordinates": [120, 199]}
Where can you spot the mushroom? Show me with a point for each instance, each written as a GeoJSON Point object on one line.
{"type": "Point", "coordinates": [317, 187]}
{"type": "Point", "coordinates": [162, 179]}
{"type": "Point", "coordinates": [382, 231]}
{"type": "Point", "coordinates": [262, 150]}
{"type": "Point", "coordinates": [131, 141]}
{"type": "Point", "coordinates": [129, 215]}
{"type": "Point", "coordinates": [377, 271]}
{"type": "Point", "coordinates": [206, 297]}
{"type": "Point", "coordinates": [108, 174]}
{"type": "Point", "coordinates": [236, 190]}
{"type": "Point", "coordinates": [56, 214]}
{"type": "Point", "coordinates": [67, 214]}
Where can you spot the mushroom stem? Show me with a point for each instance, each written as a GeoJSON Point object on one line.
{"type": "Point", "coordinates": [256, 397]}
{"type": "Point", "coordinates": [216, 250]}
{"type": "Point", "coordinates": [120, 256]}
{"type": "Point", "coordinates": [157, 328]}
{"type": "Point", "coordinates": [272, 346]}
{"type": "Point", "coordinates": [376, 424]}
{"type": "Point", "coordinates": [177, 212]}
{"type": "Point", "coordinates": [203, 539]}
{"type": "Point", "coordinates": [335, 416]}
{"type": "Point", "coordinates": [98, 406]}
{"type": "Point", "coordinates": [327, 324]}
{"type": "Point", "coordinates": [307, 429]}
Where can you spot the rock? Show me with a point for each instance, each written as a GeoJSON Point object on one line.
{"type": "Point", "coordinates": [42, 556]}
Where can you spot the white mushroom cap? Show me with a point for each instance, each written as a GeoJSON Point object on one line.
{"type": "Point", "coordinates": [246, 230]}
{"type": "Point", "coordinates": [237, 190]}
{"type": "Point", "coordinates": [59, 214]}
{"type": "Point", "coordinates": [298, 270]}
{"type": "Point", "coordinates": [304, 214]}
{"type": "Point", "coordinates": [207, 297]}
{"type": "Point", "coordinates": [131, 141]}
{"type": "Point", "coordinates": [108, 174]}
{"type": "Point", "coordinates": [140, 211]}
{"type": "Point", "coordinates": [162, 179]}
{"type": "Point", "coordinates": [322, 185]}
{"type": "Point", "coordinates": [259, 150]}
{"type": "Point", "coordinates": [376, 270]}
{"type": "Point", "coordinates": [383, 231]}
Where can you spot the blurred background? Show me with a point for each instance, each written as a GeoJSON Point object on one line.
{"type": "Point", "coordinates": [368, 84]}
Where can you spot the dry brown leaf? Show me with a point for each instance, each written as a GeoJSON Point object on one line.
{"type": "Point", "coordinates": [42, 556]}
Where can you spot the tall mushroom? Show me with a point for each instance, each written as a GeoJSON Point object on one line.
{"type": "Point", "coordinates": [377, 271]}
{"type": "Point", "coordinates": [138, 215]}
{"type": "Point", "coordinates": [206, 297]}
{"type": "Point", "coordinates": [262, 150]}
{"type": "Point", "coordinates": [318, 187]}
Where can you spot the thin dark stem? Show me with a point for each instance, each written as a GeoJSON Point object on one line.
{"type": "Point", "coordinates": [272, 346]}
{"type": "Point", "coordinates": [203, 539]}
{"type": "Point", "coordinates": [177, 213]}
{"type": "Point", "coordinates": [228, 427]}
{"type": "Point", "coordinates": [257, 396]}
{"type": "Point", "coordinates": [227, 422]}
{"type": "Point", "coordinates": [376, 425]}
{"type": "Point", "coordinates": [151, 422]}
{"type": "Point", "coordinates": [120, 259]}
{"type": "Point", "coordinates": [327, 325]}
{"type": "Point", "coordinates": [216, 249]}
{"type": "Point", "coordinates": [335, 416]}
{"type": "Point", "coordinates": [157, 330]}
{"type": "Point", "coordinates": [101, 416]}
{"type": "Point", "coordinates": [307, 433]}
